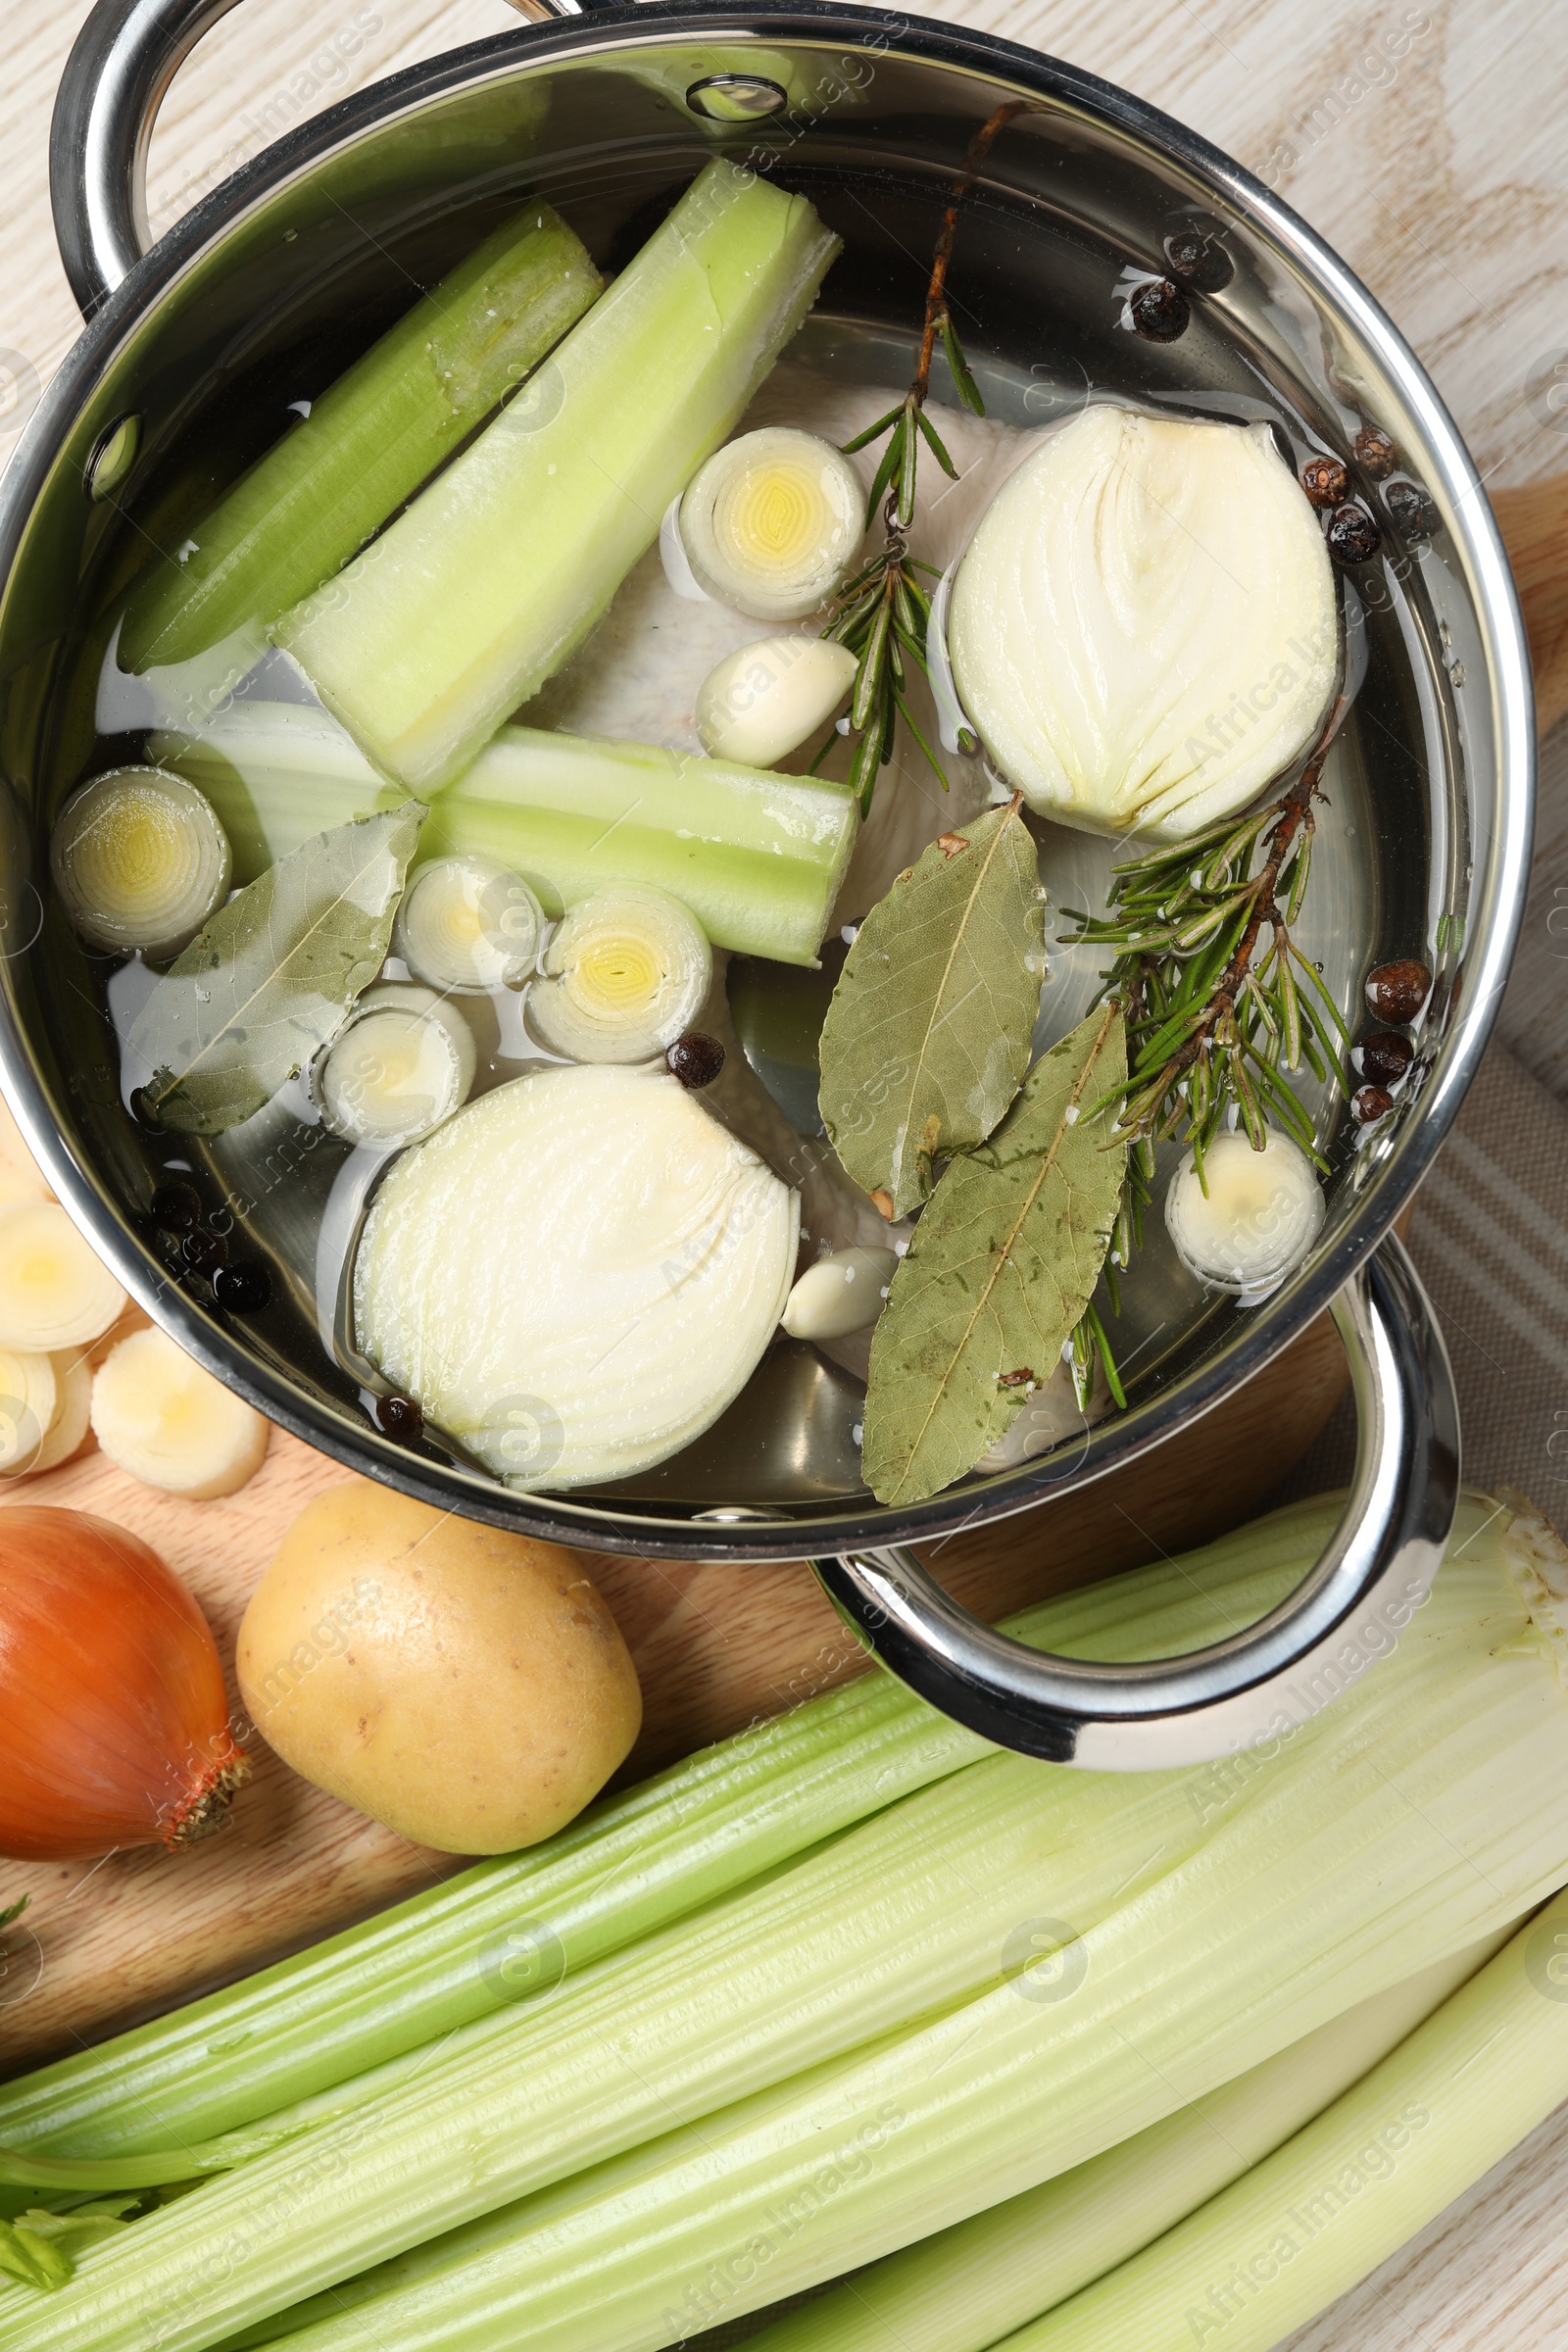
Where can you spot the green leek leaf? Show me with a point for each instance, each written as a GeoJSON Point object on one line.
{"type": "Point", "coordinates": [1001, 1269]}
{"type": "Point", "coordinates": [275, 975]}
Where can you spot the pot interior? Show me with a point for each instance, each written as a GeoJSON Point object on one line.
{"type": "Point", "coordinates": [257, 303]}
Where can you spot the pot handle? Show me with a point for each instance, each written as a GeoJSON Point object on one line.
{"type": "Point", "coordinates": [1257, 1685]}
{"type": "Point", "coordinates": [115, 78]}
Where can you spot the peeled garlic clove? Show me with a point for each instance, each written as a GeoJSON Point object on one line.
{"type": "Point", "coordinates": [1260, 1217]}
{"type": "Point", "coordinates": [625, 973]}
{"type": "Point", "coordinates": [842, 1292]}
{"type": "Point", "coordinates": [405, 1062]}
{"type": "Point", "coordinates": [1145, 626]}
{"type": "Point", "coordinates": [763, 700]}
{"type": "Point", "coordinates": [771, 523]}
{"type": "Point", "coordinates": [469, 924]}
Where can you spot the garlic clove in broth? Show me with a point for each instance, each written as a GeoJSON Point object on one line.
{"type": "Point", "coordinates": [1255, 1222]}
{"type": "Point", "coordinates": [1145, 626]}
{"type": "Point", "coordinates": [764, 701]}
{"type": "Point", "coordinates": [771, 523]}
{"type": "Point", "coordinates": [845, 1291]}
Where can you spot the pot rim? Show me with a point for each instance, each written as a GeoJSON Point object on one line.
{"type": "Point", "coordinates": [803, 1532]}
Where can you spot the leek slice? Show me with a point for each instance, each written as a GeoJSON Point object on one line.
{"type": "Point", "coordinates": [1248, 1219]}
{"type": "Point", "coordinates": [633, 1261]}
{"type": "Point", "coordinates": [757, 857]}
{"type": "Point", "coordinates": [403, 1064]}
{"type": "Point", "coordinates": [624, 973]}
{"type": "Point", "coordinates": [367, 444]}
{"type": "Point", "coordinates": [772, 524]}
{"type": "Point", "coordinates": [480, 592]}
{"type": "Point", "coordinates": [467, 925]}
{"type": "Point", "coordinates": [139, 859]}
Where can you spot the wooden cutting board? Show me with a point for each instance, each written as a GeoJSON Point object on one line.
{"type": "Point", "coordinates": [105, 1942]}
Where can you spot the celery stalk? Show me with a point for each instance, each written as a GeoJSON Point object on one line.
{"type": "Point", "coordinates": [497, 572]}
{"type": "Point", "coordinates": [1355, 2186]}
{"type": "Point", "coordinates": [367, 444]}
{"type": "Point", "coordinates": [502, 1930]}
{"type": "Point", "coordinates": [1325, 1870]}
{"type": "Point", "coordinates": [1428, 1805]}
{"type": "Point", "coordinates": [757, 857]}
{"type": "Point", "coordinates": [967, 2287]}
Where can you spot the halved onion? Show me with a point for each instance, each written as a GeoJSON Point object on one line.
{"type": "Point", "coordinates": [1257, 1219]}
{"type": "Point", "coordinates": [763, 700]}
{"type": "Point", "coordinates": [467, 924]}
{"type": "Point", "coordinates": [771, 523]}
{"type": "Point", "coordinates": [139, 859]}
{"type": "Point", "coordinates": [624, 973]}
{"type": "Point", "coordinates": [403, 1063]}
{"type": "Point", "coordinates": [576, 1275]}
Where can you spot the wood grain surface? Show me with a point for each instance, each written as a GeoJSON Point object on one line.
{"type": "Point", "coordinates": [1428, 146]}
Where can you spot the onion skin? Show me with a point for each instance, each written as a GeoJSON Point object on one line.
{"type": "Point", "coordinates": [114, 1720]}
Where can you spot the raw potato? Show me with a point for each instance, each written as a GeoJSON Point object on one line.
{"type": "Point", "coordinates": [467, 1686]}
{"type": "Point", "coordinates": [164, 1419]}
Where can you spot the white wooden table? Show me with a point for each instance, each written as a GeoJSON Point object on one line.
{"type": "Point", "coordinates": [1431, 147]}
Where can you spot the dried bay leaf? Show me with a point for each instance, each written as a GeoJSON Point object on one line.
{"type": "Point", "coordinates": [275, 975]}
{"type": "Point", "coordinates": [1000, 1268]}
{"type": "Point", "coordinates": [929, 1030]}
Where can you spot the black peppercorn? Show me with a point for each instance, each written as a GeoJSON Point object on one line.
{"type": "Point", "coordinates": [244, 1289]}
{"type": "Point", "coordinates": [176, 1207]}
{"type": "Point", "coordinates": [1198, 258]}
{"type": "Point", "coordinates": [203, 1250]}
{"type": "Point", "coordinates": [1412, 509]}
{"type": "Point", "coordinates": [1398, 991]}
{"type": "Point", "coordinates": [400, 1418]}
{"type": "Point", "coordinates": [1326, 481]}
{"type": "Point", "coordinates": [1159, 310]}
{"type": "Point", "coordinates": [1384, 1056]}
{"type": "Point", "coordinates": [1375, 453]}
{"type": "Point", "coordinates": [1352, 535]}
{"type": "Point", "coordinates": [1369, 1104]}
{"type": "Point", "coordinates": [695, 1058]}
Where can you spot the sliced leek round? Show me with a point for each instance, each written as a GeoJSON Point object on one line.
{"type": "Point", "coordinates": [164, 1419]}
{"type": "Point", "coordinates": [624, 973]}
{"type": "Point", "coordinates": [762, 702]}
{"type": "Point", "coordinates": [30, 1404]}
{"type": "Point", "coordinates": [771, 523]}
{"type": "Point", "coordinates": [1256, 1220]}
{"type": "Point", "coordinates": [139, 860]}
{"type": "Point", "coordinates": [54, 1291]}
{"type": "Point", "coordinates": [402, 1065]}
{"type": "Point", "coordinates": [68, 1431]}
{"type": "Point", "coordinates": [575, 1275]}
{"type": "Point", "coordinates": [467, 924]}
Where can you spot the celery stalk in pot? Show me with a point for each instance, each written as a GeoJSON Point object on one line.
{"type": "Point", "coordinates": [365, 445]}
{"type": "Point", "coordinates": [480, 590]}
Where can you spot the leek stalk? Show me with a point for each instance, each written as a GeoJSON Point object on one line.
{"type": "Point", "coordinates": [1324, 1871]}
{"type": "Point", "coordinates": [967, 2287]}
{"type": "Point", "coordinates": [462, 609]}
{"type": "Point", "coordinates": [365, 445]}
{"type": "Point", "coordinates": [506, 1930]}
{"type": "Point", "coordinates": [757, 857]}
{"type": "Point", "coordinates": [1355, 2186]}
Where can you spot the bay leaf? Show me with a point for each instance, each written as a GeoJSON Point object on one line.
{"type": "Point", "coordinates": [275, 975]}
{"type": "Point", "coordinates": [1000, 1268]}
{"type": "Point", "coordinates": [930, 1026]}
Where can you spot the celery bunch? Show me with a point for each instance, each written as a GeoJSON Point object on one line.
{"type": "Point", "coordinates": [860, 2050]}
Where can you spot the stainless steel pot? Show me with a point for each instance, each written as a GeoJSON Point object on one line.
{"type": "Point", "coordinates": [607, 113]}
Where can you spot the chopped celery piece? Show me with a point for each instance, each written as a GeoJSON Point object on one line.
{"type": "Point", "coordinates": [1355, 2187]}
{"type": "Point", "coordinates": [500, 1932]}
{"type": "Point", "coordinates": [497, 572]}
{"type": "Point", "coordinates": [757, 857]}
{"type": "Point", "coordinates": [367, 444]}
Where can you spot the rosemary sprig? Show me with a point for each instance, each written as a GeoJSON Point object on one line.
{"type": "Point", "coordinates": [882, 614]}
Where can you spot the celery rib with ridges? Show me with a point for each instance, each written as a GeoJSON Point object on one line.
{"type": "Point", "coordinates": [368, 443]}
{"type": "Point", "coordinates": [494, 576]}
{"type": "Point", "coordinates": [1322, 1874]}
{"type": "Point", "coordinates": [630, 1865]}
{"type": "Point", "coordinates": [758, 856]}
